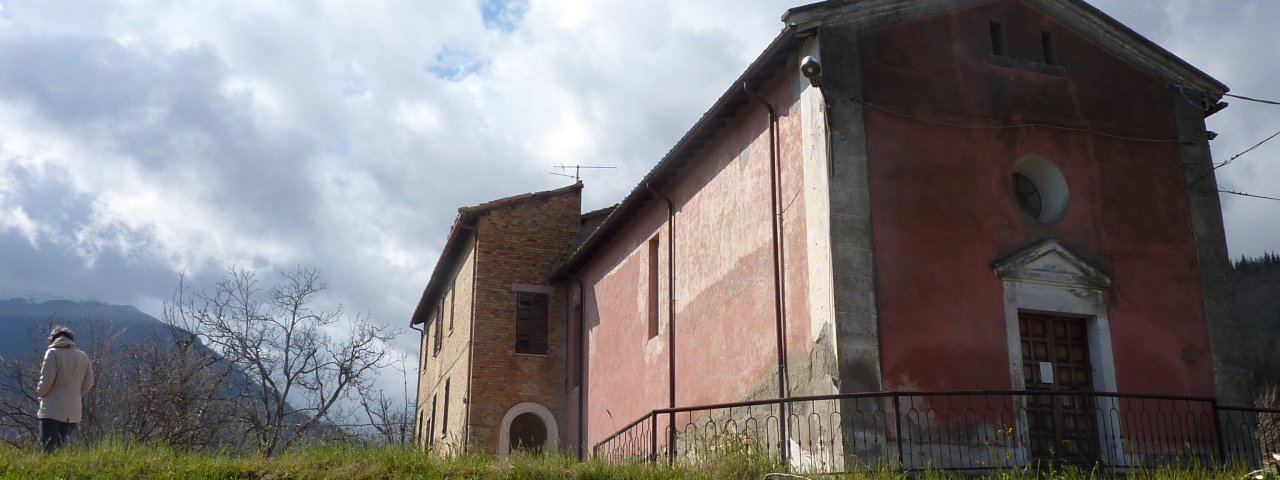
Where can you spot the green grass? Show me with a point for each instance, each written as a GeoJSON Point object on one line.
{"type": "Point", "coordinates": [114, 459]}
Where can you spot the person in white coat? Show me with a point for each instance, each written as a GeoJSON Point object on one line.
{"type": "Point", "coordinates": [65, 378]}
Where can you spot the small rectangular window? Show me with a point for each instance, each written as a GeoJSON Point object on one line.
{"type": "Point", "coordinates": [453, 308]}
{"type": "Point", "coordinates": [997, 38]}
{"type": "Point", "coordinates": [444, 420]}
{"type": "Point", "coordinates": [422, 365]}
{"type": "Point", "coordinates": [653, 287]}
{"type": "Point", "coordinates": [439, 333]}
{"type": "Point", "coordinates": [431, 423]}
{"type": "Point", "coordinates": [417, 431]}
{"type": "Point", "coordinates": [1046, 43]}
{"type": "Point", "coordinates": [531, 323]}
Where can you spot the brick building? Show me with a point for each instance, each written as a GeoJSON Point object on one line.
{"type": "Point", "coordinates": [913, 196]}
{"type": "Point", "coordinates": [491, 372]}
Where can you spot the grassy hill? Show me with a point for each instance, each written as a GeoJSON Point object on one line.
{"type": "Point", "coordinates": [120, 460]}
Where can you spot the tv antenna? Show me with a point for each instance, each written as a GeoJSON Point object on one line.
{"type": "Point", "coordinates": [577, 170]}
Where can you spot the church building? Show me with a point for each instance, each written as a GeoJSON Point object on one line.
{"type": "Point", "coordinates": [895, 196]}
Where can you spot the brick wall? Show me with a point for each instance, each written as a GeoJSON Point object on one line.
{"type": "Point", "coordinates": [453, 313]}
{"type": "Point", "coordinates": [518, 247]}
{"type": "Point", "coordinates": [513, 247]}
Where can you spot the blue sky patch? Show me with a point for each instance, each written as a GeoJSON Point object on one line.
{"type": "Point", "coordinates": [503, 15]}
{"type": "Point", "coordinates": [351, 82]}
{"type": "Point", "coordinates": [455, 63]}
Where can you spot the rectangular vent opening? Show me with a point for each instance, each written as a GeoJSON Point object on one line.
{"type": "Point", "coordinates": [997, 38]}
{"type": "Point", "coordinates": [1046, 44]}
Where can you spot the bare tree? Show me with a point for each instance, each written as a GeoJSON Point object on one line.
{"type": "Point", "coordinates": [278, 338]}
{"type": "Point", "coordinates": [166, 387]}
{"type": "Point", "coordinates": [161, 385]}
{"type": "Point", "coordinates": [391, 421]}
{"type": "Point", "coordinates": [18, 400]}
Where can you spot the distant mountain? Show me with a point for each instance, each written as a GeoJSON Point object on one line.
{"type": "Point", "coordinates": [26, 323]}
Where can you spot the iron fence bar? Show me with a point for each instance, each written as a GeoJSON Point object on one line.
{"type": "Point", "coordinates": [653, 437]}
{"type": "Point", "coordinates": [625, 428]}
{"type": "Point", "coordinates": [897, 433]}
{"type": "Point", "coordinates": [671, 438]}
{"type": "Point", "coordinates": [1217, 433]}
{"type": "Point", "coordinates": [1250, 409]}
{"type": "Point", "coordinates": [783, 436]}
{"type": "Point", "coordinates": [949, 393]}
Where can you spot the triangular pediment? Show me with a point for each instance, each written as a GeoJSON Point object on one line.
{"type": "Point", "coordinates": [1049, 261]}
{"type": "Point", "coordinates": [1077, 15]}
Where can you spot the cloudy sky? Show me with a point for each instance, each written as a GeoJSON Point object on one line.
{"type": "Point", "coordinates": [141, 138]}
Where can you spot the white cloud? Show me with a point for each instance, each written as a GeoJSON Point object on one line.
{"type": "Point", "coordinates": [15, 218]}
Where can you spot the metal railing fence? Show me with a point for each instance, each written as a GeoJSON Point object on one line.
{"type": "Point", "coordinates": [964, 431]}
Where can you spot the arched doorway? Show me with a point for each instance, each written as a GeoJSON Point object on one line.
{"type": "Point", "coordinates": [527, 432]}
{"type": "Point", "coordinates": [527, 426]}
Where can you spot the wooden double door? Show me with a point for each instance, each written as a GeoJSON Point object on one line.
{"type": "Point", "coordinates": [1055, 361]}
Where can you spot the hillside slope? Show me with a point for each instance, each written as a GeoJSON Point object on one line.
{"type": "Point", "coordinates": [1258, 308]}
{"type": "Point", "coordinates": [26, 323]}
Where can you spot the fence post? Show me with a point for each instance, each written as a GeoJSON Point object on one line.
{"type": "Point", "coordinates": [671, 438]}
{"type": "Point", "coordinates": [897, 415]}
{"type": "Point", "coordinates": [1218, 436]}
{"type": "Point", "coordinates": [653, 436]}
{"type": "Point", "coordinates": [784, 436]}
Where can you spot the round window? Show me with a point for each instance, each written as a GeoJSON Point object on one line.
{"type": "Point", "coordinates": [1040, 189]}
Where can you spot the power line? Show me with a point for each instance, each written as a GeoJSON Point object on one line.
{"type": "Point", "coordinates": [1242, 97]}
{"type": "Point", "coordinates": [1250, 195]}
{"type": "Point", "coordinates": [1232, 159]}
{"type": "Point", "coordinates": [1247, 150]}
{"type": "Point", "coordinates": [1184, 88]}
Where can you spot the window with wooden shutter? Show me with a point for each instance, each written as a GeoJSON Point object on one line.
{"type": "Point", "coordinates": [439, 326]}
{"type": "Point", "coordinates": [653, 287]}
{"type": "Point", "coordinates": [531, 323]}
{"type": "Point", "coordinates": [444, 420]}
{"type": "Point", "coordinates": [431, 422]}
{"type": "Point", "coordinates": [453, 308]}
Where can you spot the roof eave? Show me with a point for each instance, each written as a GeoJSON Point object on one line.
{"type": "Point", "coordinates": [682, 151]}
{"type": "Point", "coordinates": [465, 222]}
{"type": "Point", "coordinates": [1148, 54]}
{"type": "Point", "coordinates": [1077, 14]}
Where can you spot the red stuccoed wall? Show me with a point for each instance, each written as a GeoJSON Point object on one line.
{"type": "Point", "coordinates": [724, 288]}
{"type": "Point", "coordinates": [943, 208]}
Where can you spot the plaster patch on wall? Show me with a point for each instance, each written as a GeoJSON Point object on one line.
{"type": "Point", "coordinates": [809, 101]}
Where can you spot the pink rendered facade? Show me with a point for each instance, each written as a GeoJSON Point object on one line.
{"type": "Point", "coordinates": [724, 295]}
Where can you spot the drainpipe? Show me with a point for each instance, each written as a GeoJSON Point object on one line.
{"type": "Point", "coordinates": [780, 323]}
{"type": "Point", "coordinates": [471, 342]}
{"type": "Point", "coordinates": [582, 367]}
{"type": "Point", "coordinates": [671, 316]}
{"type": "Point", "coordinates": [417, 392]}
